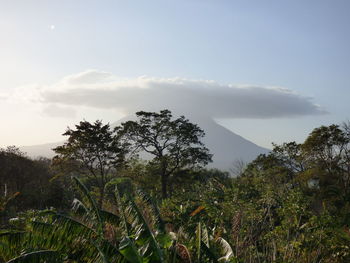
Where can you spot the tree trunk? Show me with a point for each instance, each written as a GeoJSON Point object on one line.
{"type": "Point", "coordinates": [102, 196]}
{"type": "Point", "coordinates": [164, 180]}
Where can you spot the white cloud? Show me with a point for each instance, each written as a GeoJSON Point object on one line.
{"type": "Point", "coordinates": [102, 90]}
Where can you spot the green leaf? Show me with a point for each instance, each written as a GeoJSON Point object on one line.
{"type": "Point", "coordinates": [37, 257]}
{"type": "Point", "coordinates": [128, 249]}
{"type": "Point", "coordinates": [95, 212]}
{"type": "Point", "coordinates": [141, 227]}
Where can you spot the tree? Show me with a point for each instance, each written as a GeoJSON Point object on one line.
{"type": "Point", "coordinates": [30, 178]}
{"type": "Point", "coordinates": [173, 143]}
{"type": "Point", "coordinates": [97, 151]}
{"type": "Point", "coordinates": [327, 150]}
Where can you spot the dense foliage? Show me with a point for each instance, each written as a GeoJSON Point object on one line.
{"type": "Point", "coordinates": [173, 144]}
{"type": "Point", "coordinates": [27, 184]}
{"type": "Point", "coordinates": [291, 205]}
{"type": "Point", "coordinates": [92, 150]}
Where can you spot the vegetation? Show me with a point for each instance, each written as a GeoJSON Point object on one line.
{"type": "Point", "coordinates": [26, 184]}
{"type": "Point", "coordinates": [291, 205]}
{"type": "Point", "coordinates": [93, 151]}
{"type": "Point", "coordinates": [173, 144]}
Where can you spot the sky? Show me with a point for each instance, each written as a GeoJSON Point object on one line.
{"type": "Point", "coordinates": [270, 71]}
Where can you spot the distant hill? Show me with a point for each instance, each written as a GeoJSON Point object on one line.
{"type": "Point", "coordinates": [226, 146]}
{"type": "Point", "coordinates": [40, 150]}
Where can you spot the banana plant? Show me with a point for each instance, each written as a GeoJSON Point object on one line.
{"type": "Point", "coordinates": [134, 233]}
{"type": "Point", "coordinates": [50, 236]}
{"type": "Point", "coordinates": [82, 236]}
{"type": "Point", "coordinates": [212, 249]}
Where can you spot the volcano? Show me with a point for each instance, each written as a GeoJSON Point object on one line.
{"type": "Point", "coordinates": [225, 145]}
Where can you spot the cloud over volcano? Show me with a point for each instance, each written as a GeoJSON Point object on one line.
{"type": "Point", "coordinates": [103, 90]}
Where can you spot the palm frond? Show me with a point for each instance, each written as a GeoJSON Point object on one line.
{"type": "Point", "coordinates": [199, 241]}
{"type": "Point", "coordinates": [65, 234]}
{"type": "Point", "coordinates": [12, 236]}
{"type": "Point", "coordinates": [65, 224]}
{"type": "Point", "coordinates": [12, 241]}
{"type": "Point", "coordinates": [159, 223]}
{"type": "Point", "coordinates": [37, 257]}
{"type": "Point", "coordinates": [121, 208]}
{"type": "Point", "coordinates": [143, 232]}
{"type": "Point", "coordinates": [128, 249]}
{"type": "Point", "coordinates": [110, 217]}
{"type": "Point", "coordinates": [205, 235]}
{"type": "Point", "coordinates": [79, 208]}
{"type": "Point", "coordinates": [88, 200]}
{"type": "Point", "coordinates": [226, 249]}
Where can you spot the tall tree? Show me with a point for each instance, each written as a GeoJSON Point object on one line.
{"type": "Point", "coordinates": [96, 149]}
{"type": "Point", "coordinates": [327, 150]}
{"type": "Point", "coordinates": [173, 143]}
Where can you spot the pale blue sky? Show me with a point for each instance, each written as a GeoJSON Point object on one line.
{"type": "Point", "coordinates": [299, 45]}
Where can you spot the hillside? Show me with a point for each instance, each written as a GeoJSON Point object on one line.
{"type": "Point", "coordinates": [225, 145]}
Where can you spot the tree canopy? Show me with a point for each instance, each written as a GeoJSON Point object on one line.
{"type": "Point", "coordinates": [95, 149]}
{"type": "Point", "coordinates": [174, 144]}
